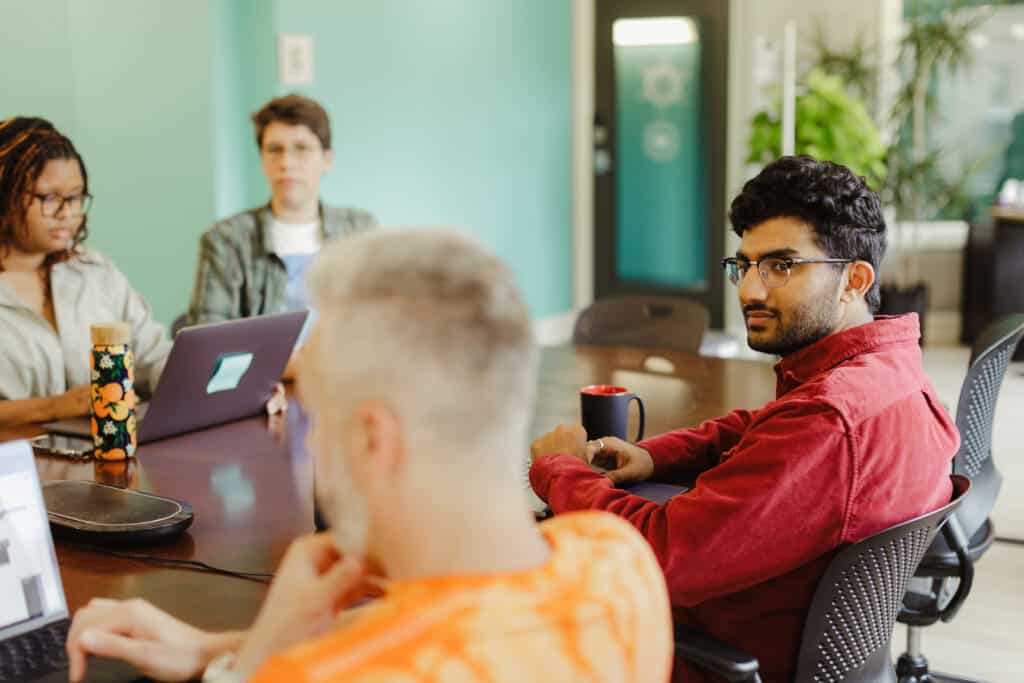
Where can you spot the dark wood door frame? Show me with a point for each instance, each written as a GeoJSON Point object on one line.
{"type": "Point", "coordinates": [714, 20]}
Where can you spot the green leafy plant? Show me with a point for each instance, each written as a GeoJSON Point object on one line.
{"type": "Point", "coordinates": [936, 40]}
{"type": "Point", "coordinates": [930, 45]}
{"type": "Point", "coordinates": [933, 43]}
{"type": "Point", "coordinates": [855, 65]}
{"type": "Point", "coordinates": [831, 124]}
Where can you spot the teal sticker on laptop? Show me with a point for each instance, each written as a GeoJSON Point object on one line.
{"type": "Point", "coordinates": [228, 372]}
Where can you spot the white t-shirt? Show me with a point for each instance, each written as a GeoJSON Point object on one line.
{"type": "Point", "coordinates": [296, 244]}
{"type": "Point", "coordinates": [295, 238]}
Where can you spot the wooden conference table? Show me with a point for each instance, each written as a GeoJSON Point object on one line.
{"type": "Point", "coordinates": [250, 482]}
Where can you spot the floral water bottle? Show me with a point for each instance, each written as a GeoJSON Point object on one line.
{"type": "Point", "coordinates": [113, 392]}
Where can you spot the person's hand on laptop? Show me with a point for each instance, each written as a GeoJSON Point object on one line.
{"type": "Point", "coordinates": [158, 645]}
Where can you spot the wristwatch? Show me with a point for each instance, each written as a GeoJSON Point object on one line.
{"type": "Point", "coordinates": [222, 670]}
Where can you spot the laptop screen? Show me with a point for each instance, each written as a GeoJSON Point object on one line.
{"type": "Point", "coordinates": [30, 588]}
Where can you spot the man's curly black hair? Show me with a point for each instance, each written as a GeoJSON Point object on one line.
{"type": "Point", "coordinates": [846, 214]}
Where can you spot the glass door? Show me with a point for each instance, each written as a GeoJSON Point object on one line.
{"type": "Point", "coordinates": [659, 148]}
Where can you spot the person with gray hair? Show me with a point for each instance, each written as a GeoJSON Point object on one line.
{"type": "Point", "coordinates": [419, 379]}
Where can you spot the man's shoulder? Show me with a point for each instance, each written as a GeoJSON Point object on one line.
{"type": "Point", "coordinates": [595, 536]}
{"type": "Point", "coordinates": [871, 383]}
{"type": "Point", "coordinates": [340, 220]}
{"type": "Point", "coordinates": [589, 552]}
{"type": "Point", "coordinates": [812, 398]}
{"type": "Point", "coordinates": [238, 227]}
{"type": "Point", "coordinates": [589, 525]}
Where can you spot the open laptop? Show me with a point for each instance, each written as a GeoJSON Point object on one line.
{"type": "Point", "coordinates": [215, 373]}
{"type": "Point", "coordinates": [33, 611]}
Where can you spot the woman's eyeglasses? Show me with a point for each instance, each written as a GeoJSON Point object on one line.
{"type": "Point", "coordinates": [52, 205]}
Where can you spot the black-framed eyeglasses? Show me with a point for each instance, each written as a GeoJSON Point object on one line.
{"type": "Point", "coordinates": [774, 271]}
{"type": "Point", "coordinates": [52, 204]}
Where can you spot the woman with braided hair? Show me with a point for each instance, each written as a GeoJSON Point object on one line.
{"type": "Point", "coordinates": [52, 288]}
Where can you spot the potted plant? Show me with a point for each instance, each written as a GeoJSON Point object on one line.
{"type": "Point", "coordinates": [830, 124]}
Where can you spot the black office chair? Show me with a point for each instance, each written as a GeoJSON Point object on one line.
{"type": "Point", "coordinates": [848, 633]}
{"type": "Point", "coordinates": [660, 322]}
{"type": "Point", "coordinates": [975, 412]}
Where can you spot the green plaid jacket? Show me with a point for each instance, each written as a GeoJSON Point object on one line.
{"type": "Point", "coordinates": [239, 275]}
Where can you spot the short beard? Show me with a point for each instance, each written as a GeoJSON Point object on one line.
{"type": "Point", "coordinates": [344, 508]}
{"type": "Point", "coordinates": [800, 328]}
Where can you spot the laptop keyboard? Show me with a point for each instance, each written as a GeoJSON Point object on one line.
{"type": "Point", "coordinates": [35, 653]}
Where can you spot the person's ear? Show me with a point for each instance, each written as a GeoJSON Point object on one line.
{"type": "Point", "coordinates": [380, 440]}
{"type": "Point", "coordinates": [860, 275]}
{"type": "Point", "coordinates": [328, 161]}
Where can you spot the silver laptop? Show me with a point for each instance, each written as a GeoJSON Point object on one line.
{"type": "Point", "coordinates": [33, 611]}
{"type": "Point", "coordinates": [214, 374]}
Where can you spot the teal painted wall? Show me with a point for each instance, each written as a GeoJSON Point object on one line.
{"type": "Point", "coordinates": [245, 78]}
{"type": "Point", "coordinates": [131, 84]}
{"type": "Point", "coordinates": [144, 106]}
{"type": "Point", "coordinates": [455, 113]}
{"type": "Point", "coordinates": [448, 112]}
{"type": "Point", "coordinates": [37, 74]}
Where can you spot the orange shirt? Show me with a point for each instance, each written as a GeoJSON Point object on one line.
{"type": "Point", "coordinates": [597, 610]}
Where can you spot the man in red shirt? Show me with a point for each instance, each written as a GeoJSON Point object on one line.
{"type": "Point", "coordinates": [855, 442]}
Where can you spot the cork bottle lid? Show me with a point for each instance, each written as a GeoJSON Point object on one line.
{"type": "Point", "coordinates": [111, 334]}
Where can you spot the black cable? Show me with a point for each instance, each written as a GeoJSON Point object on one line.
{"type": "Point", "coordinates": [1011, 541]}
{"type": "Point", "coordinates": [193, 565]}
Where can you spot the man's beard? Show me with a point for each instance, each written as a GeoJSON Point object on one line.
{"type": "Point", "coordinates": [344, 507]}
{"type": "Point", "coordinates": [800, 328]}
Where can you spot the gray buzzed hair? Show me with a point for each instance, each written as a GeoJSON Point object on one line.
{"type": "Point", "coordinates": [432, 322]}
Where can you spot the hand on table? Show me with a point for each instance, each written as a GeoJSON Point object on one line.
{"type": "Point", "coordinates": [624, 462]}
{"type": "Point", "coordinates": [73, 403]}
{"type": "Point", "coordinates": [158, 645]}
{"type": "Point", "coordinates": [312, 584]}
{"type": "Point", "coordinates": [565, 439]}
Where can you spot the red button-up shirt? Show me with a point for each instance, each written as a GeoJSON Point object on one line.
{"type": "Point", "coordinates": [855, 442]}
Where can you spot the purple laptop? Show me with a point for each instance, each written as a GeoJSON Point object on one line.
{"type": "Point", "coordinates": [214, 374]}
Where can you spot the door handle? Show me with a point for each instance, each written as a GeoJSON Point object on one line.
{"type": "Point", "coordinates": [602, 152]}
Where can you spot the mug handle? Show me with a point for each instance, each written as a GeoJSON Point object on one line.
{"type": "Point", "coordinates": [640, 405]}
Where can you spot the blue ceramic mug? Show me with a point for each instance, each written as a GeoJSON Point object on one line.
{"type": "Point", "coordinates": [604, 409]}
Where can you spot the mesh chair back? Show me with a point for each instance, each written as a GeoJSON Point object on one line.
{"type": "Point", "coordinates": [660, 322]}
{"type": "Point", "coordinates": [846, 638]}
{"type": "Point", "coordinates": [975, 413]}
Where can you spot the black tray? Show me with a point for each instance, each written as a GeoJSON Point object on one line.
{"type": "Point", "coordinates": [97, 514]}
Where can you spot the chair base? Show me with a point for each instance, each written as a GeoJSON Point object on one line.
{"type": "Point", "coordinates": [910, 669]}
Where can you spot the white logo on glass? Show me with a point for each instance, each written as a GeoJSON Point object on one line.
{"type": "Point", "coordinates": [661, 141]}
{"type": "Point", "coordinates": [663, 83]}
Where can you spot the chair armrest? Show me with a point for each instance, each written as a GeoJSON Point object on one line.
{"type": "Point", "coordinates": [711, 654]}
{"type": "Point", "coordinates": [957, 540]}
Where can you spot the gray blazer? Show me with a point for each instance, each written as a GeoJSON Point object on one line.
{"type": "Point", "coordinates": [239, 275]}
